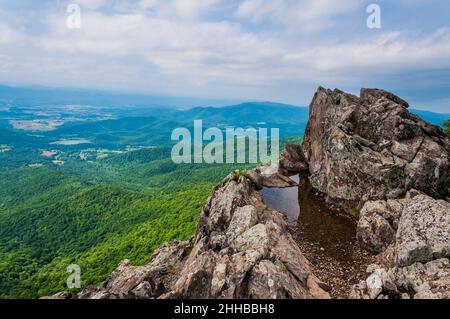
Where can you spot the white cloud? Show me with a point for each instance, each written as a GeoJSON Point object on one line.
{"type": "Point", "coordinates": [309, 15]}
{"type": "Point", "coordinates": [91, 4]}
{"type": "Point", "coordinates": [191, 47]}
{"type": "Point", "coordinates": [8, 35]}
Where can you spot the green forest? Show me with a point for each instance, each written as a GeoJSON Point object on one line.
{"type": "Point", "coordinates": [94, 214]}
{"type": "Point", "coordinates": [118, 196]}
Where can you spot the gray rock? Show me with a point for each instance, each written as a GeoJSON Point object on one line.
{"type": "Point", "coordinates": [374, 284]}
{"type": "Point", "coordinates": [415, 263]}
{"type": "Point", "coordinates": [270, 176]}
{"type": "Point", "coordinates": [359, 291]}
{"type": "Point", "coordinates": [425, 281]}
{"type": "Point", "coordinates": [243, 219]}
{"type": "Point", "coordinates": [371, 148]}
{"type": "Point", "coordinates": [242, 249]}
{"type": "Point", "coordinates": [424, 231]}
{"type": "Point", "coordinates": [291, 161]}
{"type": "Point", "coordinates": [378, 224]}
{"type": "Point", "coordinates": [143, 290]}
{"type": "Point", "coordinates": [418, 281]}
{"type": "Point", "coordinates": [374, 233]}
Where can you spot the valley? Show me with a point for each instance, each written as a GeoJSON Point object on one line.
{"type": "Point", "coordinates": [98, 188]}
{"type": "Point", "coordinates": [101, 186]}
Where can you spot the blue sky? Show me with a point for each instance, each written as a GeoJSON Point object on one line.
{"type": "Point", "coordinates": [278, 50]}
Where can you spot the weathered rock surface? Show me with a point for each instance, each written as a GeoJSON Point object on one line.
{"type": "Point", "coordinates": [371, 148]}
{"type": "Point", "coordinates": [423, 232]}
{"type": "Point", "coordinates": [292, 161]}
{"type": "Point", "coordinates": [378, 223]}
{"type": "Point", "coordinates": [412, 236]}
{"type": "Point", "coordinates": [269, 176]}
{"type": "Point", "coordinates": [418, 225]}
{"type": "Point", "coordinates": [417, 281]}
{"type": "Point", "coordinates": [242, 249]}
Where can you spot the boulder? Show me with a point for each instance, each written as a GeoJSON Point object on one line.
{"type": "Point", "coordinates": [291, 161]}
{"type": "Point", "coordinates": [425, 281]}
{"type": "Point", "coordinates": [371, 148]}
{"type": "Point", "coordinates": [412, 236]}
{"type": "Point", "coordinates": [423, 231]}
{"type": "Point", "coordinates": [378, 224]}
{"type": "Point", "coordinates": [429, 280]}
{"type": "Point", "coordinates": [269, 176]}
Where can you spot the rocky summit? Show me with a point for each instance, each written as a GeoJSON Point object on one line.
{"type": "Point", "coordinates": [371, 148]}
{"type": "Point", "coordinates": [241, 249]}
{"type": "Point", "coordinates": [364, 154]}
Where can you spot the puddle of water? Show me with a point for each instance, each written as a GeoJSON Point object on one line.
{"type": "Point", "coordinates": [320, 225]}
{"type": "Point", "coordinates": [313, 220]}
{"type": "Point", "coordinates": [284, 200]}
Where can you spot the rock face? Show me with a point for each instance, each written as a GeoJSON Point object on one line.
{"type": "Point", "coordinates": [378, 224]}
{"type": "Point", "coordinates": [417, 281]}
{"type": "Point", "coordinates": [423, 232]}
{"type": "Point", "coordinates": [370, 147]}
{"type": "Point", "coordinates": [242, 249]}
{"type": "Point", "coordinates": [412, 236]}
{"type": "Point", "coordinates": [371, 151]}
{"type": "Point", "coordinates": [269, 176]}
{"type": "Point", "coordinates": [358, 150]}
{"type": "Point", "coordinates": [292, 161]}
{"type": "Point", "coordinates": [418, 226]}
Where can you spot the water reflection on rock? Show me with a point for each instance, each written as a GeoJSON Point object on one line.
{"type": "Point", "coordinates": [284, 200]}
{"type": "Point", "coordinates": [327, 238]}
{"type": "Point", "coordinates": [335, 233]}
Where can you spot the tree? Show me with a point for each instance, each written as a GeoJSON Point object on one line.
{"type": "Point", "coordinates": [447, 127]}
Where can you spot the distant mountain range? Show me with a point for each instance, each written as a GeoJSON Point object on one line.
{"type": "Point", "coordinates": [433, 118]}
{"type": "Point", "coordinates": [46, 96]}
{"type": "Point", "coordinates": [147, 120]}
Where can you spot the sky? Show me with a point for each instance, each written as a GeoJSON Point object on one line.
{"type": "Point", "coordinates": [277, 50]}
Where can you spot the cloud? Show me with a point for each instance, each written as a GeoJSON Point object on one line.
{"type": "Point", "coordinates": [8, 35]}
{"type": "Point", "coordinates": [259, 49]}
{"type": "Point", "coordinates": [91, 4]}
{"type": "Point", "coordinates": [308, 15]}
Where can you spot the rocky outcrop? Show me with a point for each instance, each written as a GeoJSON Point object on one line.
{"type": "Point", "coordinates": [412, 236]}
{"type": "Point", "coordinates": [370, 152]}
{"type": "Point", "coordinates": [143, 282]}
{"type": "Point", "coordinates": [370, 147]}
{"type": "Point", "coordinates": [418, 226]}
{"type": "Point", "coordinates": [423, 231]}
{"type": "Point", "coordinates": [241, 249]}
{"type": "Point", "coordinates": [266, 175]}
{"type": "Point", "coordinates": [429, 280]}
{"type": "Point", "coordinates": [378, 223]}
{"type": "Point", "coordinates": [292, 161]}
{"type": "Point", "coordinates": [366, 151]}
